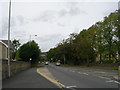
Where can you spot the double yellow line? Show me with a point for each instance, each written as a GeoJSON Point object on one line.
{"type": "Point", "coordinates": [51, 80]}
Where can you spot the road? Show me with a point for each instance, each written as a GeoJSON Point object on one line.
{"type": "Point", "coordinates": [73, 77]}
{"type": "Point", "coordinates": [70, 77]}
{"type": "Point", "coordinates": [27, 79]}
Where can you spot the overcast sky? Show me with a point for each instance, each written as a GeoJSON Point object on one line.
{"type": "Point", "coordinates": [53, 20]}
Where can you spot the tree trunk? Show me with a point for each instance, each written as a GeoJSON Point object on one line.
{"type": "Point", "coordinates": [100, 58]}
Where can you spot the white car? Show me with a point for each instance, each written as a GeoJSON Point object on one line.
{"type": "Point", "coordinates": [57, 64]}
{"type": "Point", "coordinates": [46, 63]}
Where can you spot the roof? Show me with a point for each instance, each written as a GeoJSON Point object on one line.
{"type": "Point", "coordinates": [5, 42]}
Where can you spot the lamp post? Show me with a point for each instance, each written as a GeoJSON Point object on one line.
{"type": "Point", "coordinates": [31, 36]}
{"type": "Point", "coordinates": [30, 60]}
{"type": "Point", "coordinates": [9, 38]}
{"type": "Point", "coordinates": [64, 54]}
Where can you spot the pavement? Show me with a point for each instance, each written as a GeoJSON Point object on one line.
{"type": "Point", "coordinates": [27, 79]}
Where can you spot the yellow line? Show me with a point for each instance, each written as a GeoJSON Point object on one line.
{"type": "Point", "coordinates": [53, 81]}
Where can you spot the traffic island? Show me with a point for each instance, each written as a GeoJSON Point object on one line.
{"type": "Point", "coordinates": [43, 71]}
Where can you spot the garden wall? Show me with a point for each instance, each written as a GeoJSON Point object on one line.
{"type": "Point", "coordinates": [15, 66]}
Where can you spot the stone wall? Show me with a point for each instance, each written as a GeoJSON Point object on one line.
{"type": "Point", "coordinates": [16, 66]}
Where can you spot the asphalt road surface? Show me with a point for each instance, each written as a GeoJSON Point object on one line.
{"type": "Point", "coordinates": [83, 78]}
{"type": "Point", "coordinates": [27, 79]}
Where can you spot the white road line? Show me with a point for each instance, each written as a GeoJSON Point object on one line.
{"type": "Point", "coordinates": [113, 81]}
{"type": "Point", "coordinates": [99, 72]}
{"type": "Point", "coordinates": [110, 81]}
{"type": "Point", "coordinates": [102, 72]}
{"type": "Point", "coordinates": [79, 72]}
{"type": "Point", "coordinates": [70, 86]}
{"type": "Point", "coordinates": [85, 73]}
{"type": "Point", "coordinates": [103, 77]}
{"type": "Point", "coordinates": [117, 82]}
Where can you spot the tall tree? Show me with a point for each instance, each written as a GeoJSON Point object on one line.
{"type": "Point", "coordinates": [30, 50]}
{"type": "Point", "coordinates": [16, 45]}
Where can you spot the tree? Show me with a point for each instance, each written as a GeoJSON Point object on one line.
{"type": "Point", "coordinates": [30, 50]}
{"type": "Point", "coordinates": [16, 45]}
{"type": "Point", "coordinates": [100, 40]}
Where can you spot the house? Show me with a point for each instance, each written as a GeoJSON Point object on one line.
{"type": "Point", "coordinates": [4, 49]}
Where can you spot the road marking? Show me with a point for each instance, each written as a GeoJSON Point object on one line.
{"type": "Point", "coordinates": [51, 80]}
{"type": "Point", "coordinates": [103, 77]}
{"type": "Point", "coordinates": [73, 71]}
{"type": "Point", "coordinates": [102, 72]}
{"type": "Point", "coordinates": [117, 82]}
{"type": "Point", "coordinates": [85, 73]}
{"type": "Point", "coordinates": [110, 81]}
{"type": "Point", "coordinates": [99, 72]}
{"type": "Point", "coordinates": [70, 86]}
{"type": "Point", "coordinates": [79, 72]}
{"type": "Point", "coordinates": [113, 81]}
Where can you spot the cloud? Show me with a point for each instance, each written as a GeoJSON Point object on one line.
{"type": "Point", "coordinates": [62, 12]}
{"type": "Point", "coordinates": [61, 25]}
{"type": "Point", "coordinates": [20, 20]}
{"type": "Point", "coordinates": [4, 27]}
{"type": "Point", "coordinates": [51, 37]}
{"type": "Point", "coordinates": [49, 41]}
{"type": "Point", "coordinates": [65, 8]}
{"type": "Point", "coordinates": [119, 5]}
{"type": "Point", "coordinates": [74, 8]}
{"type": "Point", "coordinates": [46, 16]}
{"type": "Point", "coordinates": [111, 8]}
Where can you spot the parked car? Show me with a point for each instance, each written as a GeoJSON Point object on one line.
{"type": "Point", "coordinates": [46, 63]}
{"type": "Point", "coordinates": [58, 64]}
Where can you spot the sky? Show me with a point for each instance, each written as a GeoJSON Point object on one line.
{"type": "Point", "coordinates": [51, 20]}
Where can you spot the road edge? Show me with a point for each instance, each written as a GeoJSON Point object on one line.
{"type": "Point", "coordinates": [60, 85]}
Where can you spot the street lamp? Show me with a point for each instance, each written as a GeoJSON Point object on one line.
{"type": "Point", "coordinates": [32, 35]}
{"type": "Point", "coordinates": [30, 60]}
{"type": "Point", "coordinates": [9, 38]}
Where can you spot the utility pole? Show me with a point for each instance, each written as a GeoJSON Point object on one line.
{"type": "Point", "coordinates": [64, 58]}
{"type": "Point", "coordinates": [9, 38]}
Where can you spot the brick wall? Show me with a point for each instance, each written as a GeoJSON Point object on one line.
{"type": "Point", "coordinates": [16, 66]}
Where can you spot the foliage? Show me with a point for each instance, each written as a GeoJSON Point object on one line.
{"type": "Point", "coordinates": [17, 56]}
{"type": "Point", "coordinates": [101, 40]}
{"type": "Point", "coordinates": [30, 50]}
{"type": "Point", "coordinates": [16, 45]}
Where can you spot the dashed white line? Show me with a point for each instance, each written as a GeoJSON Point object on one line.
{"type": "Point", "coordinates": [110, 81]}
{"type": "Point", "coordinates": [70, 86]}
{"type": "Point", "coordinates": [85, 73]}
{"type": "Point", "coordinates": [103, 77]}
{"type": "Point", "coordinates": [73, 71]}
{"type": "Point", "coordinates": [79, 72]}
{"type": "Point", "coordinates": [113, 81]}
{"type": "Point", "coordinates": [117, 82]}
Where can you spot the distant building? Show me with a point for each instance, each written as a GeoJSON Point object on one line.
{"type": "Point", "coordinates": [4, 49]}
